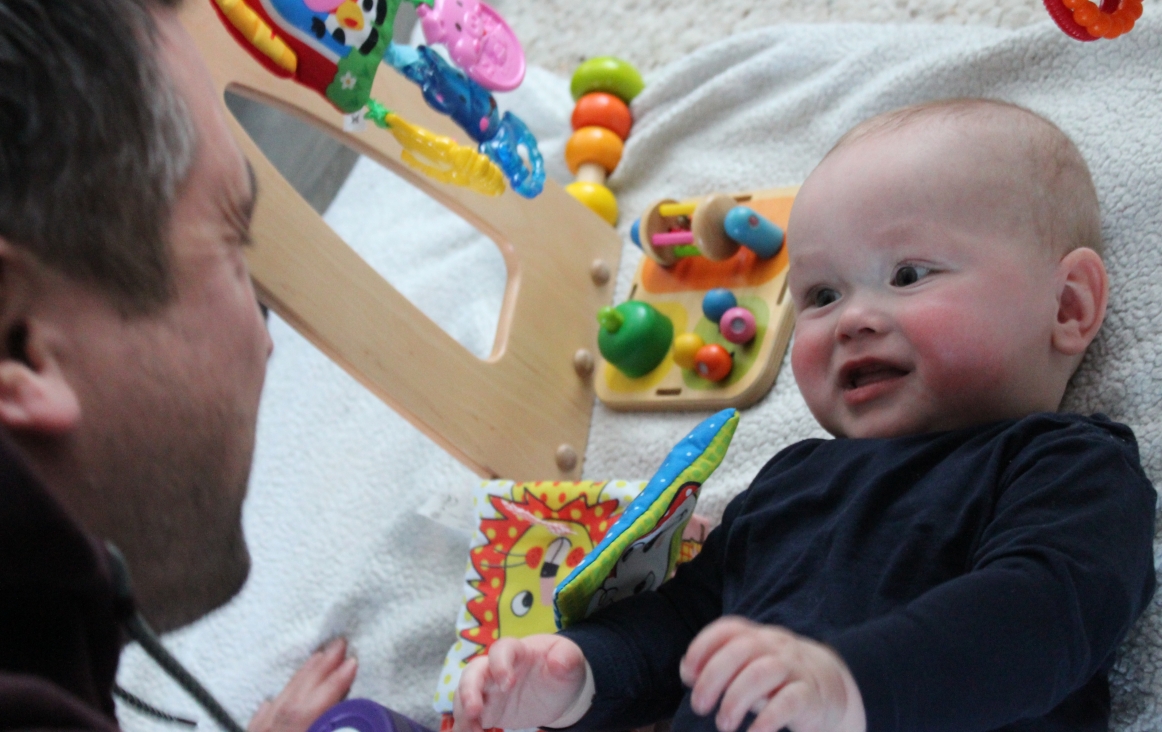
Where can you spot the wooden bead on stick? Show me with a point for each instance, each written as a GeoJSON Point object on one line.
{"type": "Point", "coordinates": [607, 74]}
{"type": "Point", "coordinates": [593, 145]}
{"type": "Point", "coordinates": [602, 121]}
{"type": "Point", "coordinates": [599, 199]}
{"type": "Point", "coordinates": [599, 109]}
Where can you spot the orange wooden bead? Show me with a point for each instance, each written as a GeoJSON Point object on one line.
{"type": "Point", "coordinates": [1073, 4]}
{"type": "Point", "coordinates": [1101, 25]}
{"type": "Point", "coordinates": [713, 362]}
{"type": "Point", "coordinates": [1133, 9]}
{"type": "Point", "coordinates": [593, 145]}
{"type": "Point", "coordinates": [599, 109]}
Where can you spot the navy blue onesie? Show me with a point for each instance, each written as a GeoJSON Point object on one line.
{"type": "Point", "coordinates": [972, 580]}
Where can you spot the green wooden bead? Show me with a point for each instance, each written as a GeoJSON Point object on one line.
{"type": "Point", "coordinates": [607, 74]}
{"type": "Point", "coordinates": [634, 337]}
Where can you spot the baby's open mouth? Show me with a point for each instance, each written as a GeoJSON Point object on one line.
{"type": "Point", "coordinates": [870, 373]}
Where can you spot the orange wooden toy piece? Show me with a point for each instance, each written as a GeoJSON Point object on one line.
{"type": "Point", "coordinates": [598, 109]}
{"type": "Point", "coordinates": [592, 153]}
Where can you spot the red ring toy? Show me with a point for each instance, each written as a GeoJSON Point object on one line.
{"type": "Point", "coordinates": [1085, 21]}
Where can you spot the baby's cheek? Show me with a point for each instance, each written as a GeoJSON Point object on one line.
{"type": "Point", "coordinates": [810, 357]}
{"type": "Point", "coordinates": [960, 354]}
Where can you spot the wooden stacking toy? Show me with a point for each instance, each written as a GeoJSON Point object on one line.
{"type": "Point", "coordinates": [603, 88]}
{"type": "Point", "coordinates": [707, 321]}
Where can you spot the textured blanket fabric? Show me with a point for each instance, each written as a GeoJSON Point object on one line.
{"type": "Point", "coordinates": [337, 546]}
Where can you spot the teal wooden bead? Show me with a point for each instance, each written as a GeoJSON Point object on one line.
{"type": "Point", "coordinates": [716, 302]}
{"type": "Point", "coordinates": [754, 231]}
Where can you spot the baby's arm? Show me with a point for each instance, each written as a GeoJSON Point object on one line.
{"type": "Point", "coordinates": [536, 681]}
{"type": "Point", "coordinates": [1059, 574]}
{"type": "Point", "coordinates": [785, 679]}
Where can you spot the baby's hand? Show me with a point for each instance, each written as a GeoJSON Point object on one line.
{"type": "Point", "coordinates": [785, 679]}
{"type": "Point", "coordinates": [321, 683]}
{"type": "Point", "coordinates": [521, 683]}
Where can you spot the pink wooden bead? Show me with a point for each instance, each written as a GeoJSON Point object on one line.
{"type": "Point", "coordinates": [737, 325]}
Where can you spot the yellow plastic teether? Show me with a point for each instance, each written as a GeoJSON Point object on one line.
{"type": "Point", "coordinates": [443, 159]}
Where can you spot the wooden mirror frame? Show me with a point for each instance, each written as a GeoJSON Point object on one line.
{"type": "Point", "coordinates": [522, 413]}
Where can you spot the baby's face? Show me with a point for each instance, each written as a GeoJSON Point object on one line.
{"type": "Point", "coordinates": [925, 295]}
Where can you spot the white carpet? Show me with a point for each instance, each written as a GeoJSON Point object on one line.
{"type": "Point", "coordinates": [559, 34]}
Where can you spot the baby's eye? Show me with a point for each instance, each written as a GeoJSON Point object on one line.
{"type": "Point", "coordinates": [909, 274]}
{"type": "Point", "coordinates": [822, 297]}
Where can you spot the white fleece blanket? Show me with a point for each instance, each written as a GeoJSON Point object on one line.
{"type": "Point", "coordinates": [336, 543]}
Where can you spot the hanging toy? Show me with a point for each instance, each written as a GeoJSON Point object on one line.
{"type": "Point", "coordinates": [437, 156]}
{"type": "Point", "coordinates": [473, 108]}
{"type": "Point", "coordinates": [1084, 20]}
{"type": "Point", "coordinates": [478, 40]}
{"type": "Point", "coordinates": [335, 47]}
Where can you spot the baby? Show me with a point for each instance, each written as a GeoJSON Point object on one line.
{"type": "Point", "coordinates": [961, 556]}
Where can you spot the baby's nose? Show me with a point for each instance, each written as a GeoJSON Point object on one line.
{"type": "Point", "coordinates": [860, 319]}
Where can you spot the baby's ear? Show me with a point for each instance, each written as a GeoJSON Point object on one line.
{"type": "Point", "coordinates": [1082, 290]}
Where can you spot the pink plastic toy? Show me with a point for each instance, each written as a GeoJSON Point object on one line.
{"type": "Point", "coordinates": [478, 40]}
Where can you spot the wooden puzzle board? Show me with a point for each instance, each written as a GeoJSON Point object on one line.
{"type": "Point", "coordinates": [677, 291]}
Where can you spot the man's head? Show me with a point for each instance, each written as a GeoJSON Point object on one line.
{"type": "Point", "coordinates": [133, 351]}
{"type": "Point", "coordinates": [945, 269]}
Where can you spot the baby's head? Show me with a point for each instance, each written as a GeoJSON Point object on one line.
{"type": "Point", "coordinates": [946, 270]}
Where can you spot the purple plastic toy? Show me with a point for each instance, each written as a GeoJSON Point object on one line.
{"type": "Point", "coordinates": [364, 715]}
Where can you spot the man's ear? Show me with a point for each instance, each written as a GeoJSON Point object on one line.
{"type": "Point", "coordinates": [35, 397]}
{"type": "Point", "coordinates": [1082, 291]}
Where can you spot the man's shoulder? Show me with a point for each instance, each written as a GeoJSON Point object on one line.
{"type": "Point", "coordinates": [58, 610]}
{"type": "Point", "coordinates": [31, 702]}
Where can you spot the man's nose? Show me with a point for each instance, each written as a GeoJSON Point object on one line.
{"type": "Point", "coordinates": [860, 317]}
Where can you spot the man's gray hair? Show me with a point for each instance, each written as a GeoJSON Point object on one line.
{"type": "Point", "coordinates": [95, 142]}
